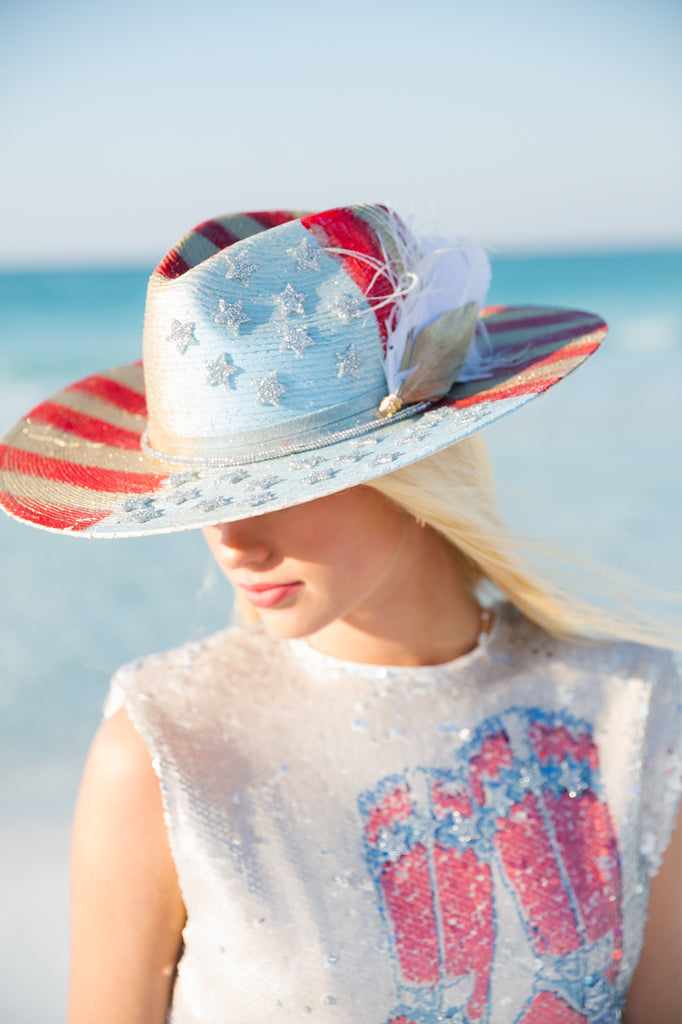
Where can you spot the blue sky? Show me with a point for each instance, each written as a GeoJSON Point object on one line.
{"type": "Point", "coordinates": [526, 125]}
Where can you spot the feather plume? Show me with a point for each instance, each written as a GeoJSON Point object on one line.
{"type": "Point", "coordinates": [437, 288]}
{"type": "Point", "coordinates": [433, 359]}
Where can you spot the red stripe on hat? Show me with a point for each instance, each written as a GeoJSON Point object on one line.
{"type": "Point", "coordinates": [494, 394]}
{"type": "Point", "coordinates": [89, 428]}
{"type": "Point", "coordinates": [344, 229]}
{"type": "Point", "coordinates": [111, 481]}
{"type": "Point", "coordinates": [216, 234]}
{"type": "Point", "coordinates": [271, 218]}
{"type": "Point", "coordinates": [578, 348]}
{"type": "Point", "coordinates": [52, 517]}
{"type": "Point", "coordinates": [530, 386]}
{"type": "Point", "coordinates": [172, 265]}
{"type": "Point", "coordinates": [113, 392]}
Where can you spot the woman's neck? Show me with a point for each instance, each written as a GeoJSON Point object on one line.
{"type": "Point", "coordinates": [420, 611]}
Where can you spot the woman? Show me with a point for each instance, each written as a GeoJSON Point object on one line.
{"type": "Point", "coordinates": [390, 803]}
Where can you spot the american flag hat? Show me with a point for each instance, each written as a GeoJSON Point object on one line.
{"type": "Point", "coordinates": [286, 356]}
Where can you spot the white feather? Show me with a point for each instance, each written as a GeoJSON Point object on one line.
{"type": "Point", "coordinates": [430, 277]}
{"type": "Point", "coordinates": [439, 276]}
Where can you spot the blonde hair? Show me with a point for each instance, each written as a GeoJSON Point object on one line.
{"type": "Point", "coordinates": [453, 492]}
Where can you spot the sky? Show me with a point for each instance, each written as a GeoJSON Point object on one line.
{"type": "Point", "coordinates": [528, 125]}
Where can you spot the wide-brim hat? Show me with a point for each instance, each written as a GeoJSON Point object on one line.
{"type": "Point", "coordinates": [286, 357]}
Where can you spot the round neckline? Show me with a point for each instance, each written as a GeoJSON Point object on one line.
{"type": "Point", "coordinates": [319, 659]}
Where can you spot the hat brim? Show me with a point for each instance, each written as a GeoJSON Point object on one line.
{"type": "Point", "coordinates": [75, 463]}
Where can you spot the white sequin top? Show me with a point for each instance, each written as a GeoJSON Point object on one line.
{"type": "Point", "coordinates": [358, 844]}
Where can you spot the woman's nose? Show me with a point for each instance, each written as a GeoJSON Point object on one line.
{"type": "Point", "coordinates": [242, 544]}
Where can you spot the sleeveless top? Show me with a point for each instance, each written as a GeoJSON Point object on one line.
{"type": "Point", "coordinates": [466, 842]}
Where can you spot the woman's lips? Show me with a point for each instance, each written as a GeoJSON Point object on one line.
{"type": "Point", "coordinates": [268, 595]}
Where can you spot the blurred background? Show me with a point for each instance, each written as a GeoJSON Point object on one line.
{"type": "Point", "coordinates": [551, 133]}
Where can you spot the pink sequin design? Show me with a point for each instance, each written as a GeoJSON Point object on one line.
{"type": "Point", "coordinates": [532, 806]}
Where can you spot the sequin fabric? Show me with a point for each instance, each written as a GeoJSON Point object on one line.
{"type": "Point", "coordinates": [367, 845]}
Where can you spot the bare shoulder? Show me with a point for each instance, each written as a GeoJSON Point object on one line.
{"type": "Point", "coordinates": [119, 758]}
{"type": "Point", "coordinates": [127, 911]}
{"type": "Point", "coordinates": [656, 990]}
{"type": "Point", "coordinates": [120, 790]}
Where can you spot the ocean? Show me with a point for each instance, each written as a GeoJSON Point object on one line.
{"type": "Point", "coordinates": [594, 468]}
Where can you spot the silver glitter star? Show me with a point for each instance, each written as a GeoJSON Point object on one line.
{"type": "Point", "coordinates": [347, 307]}
{"type": "Point", "coordinates": [220, 372]}
{"type": "Point", "coordinates": [178, 479]}
{"type": "Point", "coordinates": [423, 829]}
{"type": "Point", "coordinates": [348, 363]}
{"type": "Point", "coordinates": [182, 496]}
{"type": "Point", "coordinates": [392, 845]}
{"type": "Point", "coordinates": [240, 267]}
{"type": "Point", "coordinates": [318, 476]}
{"type": "Point", "coordinates": [308, 462]}
{"type": "Point", "coordinates": [232, 314]}
{"type": "Point", "coordinates": [340, 460]}
{"type": "Point", "coordinates": [144, 515]}
{"type": "Point", "coordinates": [269, 389]}
{"type": "Point", "coordinates": [290, 301]}
{"type": "Point", "coordinates": [182, 336]}
{"type": "Point", "coordinates": [141, 510]}
{"type": "Point", "coordinates": [262, 483]}
{"type": "Point", "coordinates": [382, 459]}
{"type": "Point", "coordinates": [134, 504]}
{"type": "Point", "coordinates": [530, 777]}
{"type": "Point", "coordinates": [259, 498]}
{"type": "Point", "coordinates": [235, 477]}
{"type": "Point", "coordinates": [497, 798]}
{"type": "Point", "coordinates": [297, 339]}
{"type": "Point", "coordinates": [213, 503]}
{"type": "Point", "coordinates": [571, 778]}
{"type": "Point", "coordinates": [307, 256]}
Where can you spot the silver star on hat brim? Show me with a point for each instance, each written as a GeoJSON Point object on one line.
{"type": "Point", "coordinates": [269, 389]}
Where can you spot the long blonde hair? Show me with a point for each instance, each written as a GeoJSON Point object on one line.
{"type": "Point", "coordinates": [453, 492]}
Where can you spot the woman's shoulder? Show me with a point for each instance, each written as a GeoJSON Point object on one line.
{"type": "Point", "coordinates": [614, 658]}
{"type": "Point", "coordinates": [229, 653]}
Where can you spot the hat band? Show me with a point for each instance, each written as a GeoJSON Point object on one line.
{"type": "Point", "coordinates": [301, 434]}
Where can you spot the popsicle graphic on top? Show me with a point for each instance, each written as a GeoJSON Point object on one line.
{"type": "Point", "coordinates": [532, 810]}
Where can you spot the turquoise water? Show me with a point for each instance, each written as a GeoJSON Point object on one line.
{"type": "Point", "coordinates": [64, 322]}
{"type": "Point", "coordinates": [593, 466]}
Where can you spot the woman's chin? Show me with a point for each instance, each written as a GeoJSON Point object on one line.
{"type": "Point", "coordinates": [286, 626]}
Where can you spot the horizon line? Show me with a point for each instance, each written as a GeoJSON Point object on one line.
{"type": "Point", "coordinates": [135, 264]}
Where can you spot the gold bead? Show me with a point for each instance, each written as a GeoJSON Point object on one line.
{"type": "Point", "coordinates": [389, 406]}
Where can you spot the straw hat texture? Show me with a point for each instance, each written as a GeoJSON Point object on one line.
{"type": "Point", "coordinates": [285, 357]}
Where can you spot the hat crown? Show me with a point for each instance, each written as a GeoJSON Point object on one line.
{"type": "Point", "coordinates": [276, 337]}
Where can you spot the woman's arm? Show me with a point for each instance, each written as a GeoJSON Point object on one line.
{"type": "Point", "coordinates": [127, 912]}
{"type": "Point", "coordinates": [655, 994]}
